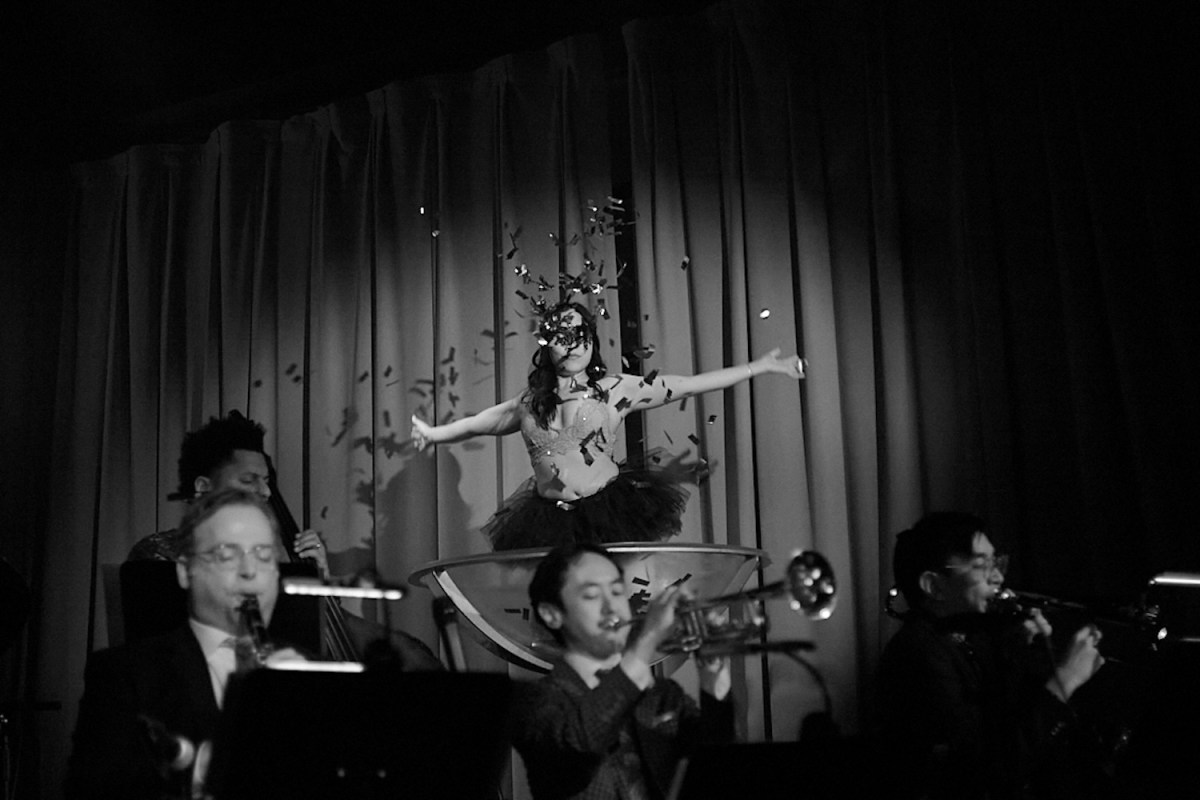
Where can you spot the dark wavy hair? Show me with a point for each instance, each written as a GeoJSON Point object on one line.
{"type": "Point", "coordinates": [206, 450]}
{"type": "Point", "coordinates": [928, 545]}
{"type": "Point", "coordinates": [543, 378]}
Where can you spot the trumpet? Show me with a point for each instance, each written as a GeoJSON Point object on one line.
{"type": "Point", "coordinates": [702, 628]}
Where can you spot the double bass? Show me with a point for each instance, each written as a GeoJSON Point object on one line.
{"type": "Point", "coordinates": [336, 641]}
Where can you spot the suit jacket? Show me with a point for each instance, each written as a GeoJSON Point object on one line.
{"type": "Point", "coordinates": [568, 734]}
{"type": "Point", "coordinates": [164, 677]}
{"type": "Point", "coordinates": [966, 715]}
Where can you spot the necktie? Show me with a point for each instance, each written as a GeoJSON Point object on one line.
{"type": "Point", "coordinates": [245, 656]}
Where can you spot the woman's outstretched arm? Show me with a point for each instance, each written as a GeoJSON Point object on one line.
{"type": "Point", "coordinates": [655, 390]}
{"type": "Point", "coordinates": [498, 420]}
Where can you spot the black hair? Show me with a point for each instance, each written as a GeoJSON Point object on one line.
{"type": "Point", "coordinates": [551, 575]}
{"type": "Point", "coordinates": [209, 503]}
{"type": "Point", "coordinates": [208, 449]}
{"type": "Point", "coordinates": [929, 545]}
{"type": "Point", "coordinates": [541, 393]}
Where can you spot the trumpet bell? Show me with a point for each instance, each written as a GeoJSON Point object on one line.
{"type": "Point", "coordinates": [737, 622]}
{"type": "Point", "coordinates": [811, 584]}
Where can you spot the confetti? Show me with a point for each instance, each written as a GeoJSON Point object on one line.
{"type": "Point", "coordinates": [712, 418]}
{"type": "Point", "coordinates": [450, 357]}
{"type": "Point", "coordinates": [766, 312]}
{"type": "Point", "coordinates": [652, 376]}
{"type": "Point", "coordinates": [623, 404]}
{"type": "Point", "coordinates": [694, 439]}
{"type": "Point", "coordinates": [686, 263]}
{"type": "Point", "coordinates": [387, 418]}
{"type": "Point", "coordinates": [364, 376]}
{"type": "Point", "coordinates": [436, 233]}
{"type": "Point", "coordinates": [258, 383]}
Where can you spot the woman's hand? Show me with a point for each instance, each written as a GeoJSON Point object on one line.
{"type": "Point", "coordinates": [793, 366]}
{"type": "Point", "coordinates": [421, 434]}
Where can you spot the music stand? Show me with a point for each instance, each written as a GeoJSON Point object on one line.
{"type": "Point", "coordinates": [379, 733]}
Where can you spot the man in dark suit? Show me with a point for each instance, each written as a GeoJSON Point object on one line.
{"type": "Point", "coordinates": [975, 704]}
{"type": "Point", "coordinates": [148, 706]}
{"type": "Point", "coordinates": [600, 725]}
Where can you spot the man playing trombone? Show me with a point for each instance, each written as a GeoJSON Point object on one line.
{"type": "Point", "coordinates": [600, 725]}
{"type": "Point", "coordinates": [975, 704]}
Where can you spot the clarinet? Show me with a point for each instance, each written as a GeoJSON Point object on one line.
{"type": "Point", "coordinates": [252, 622]}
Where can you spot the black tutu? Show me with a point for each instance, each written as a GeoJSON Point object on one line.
{"type": "Point", "coordinates": [639, 505]}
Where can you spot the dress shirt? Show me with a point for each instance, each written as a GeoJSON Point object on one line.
{"type": "Point", "coordinates": [218, 648]}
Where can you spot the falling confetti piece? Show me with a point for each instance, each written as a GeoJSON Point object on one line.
{"type": "Point", "coordinates": [436, 233]}
{"type": "Point", "coordinates": [364, 376]}
{"type": "Point", "coordinates": [712, 418]}
{"type": "Point", "coordinates": [694, 438]}
{"type": "Point", "coordinates": [686, 263]}
{"type": "Point", "coordinates": [653, 376]}
{"type": "Point", "coordinates": [258, 383]}
{"type": "Point", "coordinates": [324, 512]}
{"type": "Point", "coordinates": [766, 312]}
{"type": "Point", "coordinates": [387, 418]}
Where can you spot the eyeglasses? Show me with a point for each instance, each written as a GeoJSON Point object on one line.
{"type": "Point", "coordinates": [229, 556]}
{"type": "Point", "coordinates": [983, 565]}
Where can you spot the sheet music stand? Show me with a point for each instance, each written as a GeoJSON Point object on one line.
{"type": "Point", "coordinates": [374, 734]}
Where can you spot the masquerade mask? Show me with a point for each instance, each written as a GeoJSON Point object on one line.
{"type": "Point", "coordinates": [558, 330]}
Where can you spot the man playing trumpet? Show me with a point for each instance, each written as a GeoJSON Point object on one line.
{"type": "Point", "coordinates": [600, 725]}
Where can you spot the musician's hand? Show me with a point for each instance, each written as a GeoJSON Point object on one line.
{"type": "Point", "coordinates": [715, 675]}
{"type": "Point", "coordinates": [308, 544]}
{"type": "Point", "coordinates": [1078, 664]}
{"type": "Point", "coordinates": [793, 366]}
{"type": "Point", "coordinates": [658, 623]}
{"type": "Point", "coordinates": [1035, 625]}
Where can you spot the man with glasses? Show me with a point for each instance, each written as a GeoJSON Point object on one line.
{"type": "Point", "coordinates": [974, 704]}
{"type": "Point", "coordinates": [146, 703]}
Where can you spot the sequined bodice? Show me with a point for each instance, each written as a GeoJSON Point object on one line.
{"type": "Point", "coordinates": [593, 432]}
